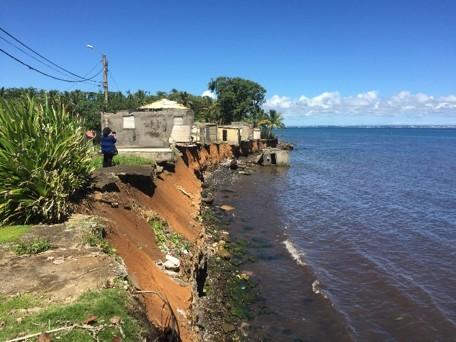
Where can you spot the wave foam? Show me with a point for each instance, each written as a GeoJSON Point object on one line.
{"type": "Point", "coordinates": [297, 255]}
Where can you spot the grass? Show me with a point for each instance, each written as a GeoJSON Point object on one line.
{"type": "Point", "coordinates": [122, 159]}
{"type": "Point", "coordinates": [104, 304]}
{"type": "Point", "coordinates": [168, 241]}
{"type": "Point", "coordinates": [32, 247]}
{"type": "Point", "coordinates": [95, 238]}
{"type": "Point", "coordinates": [12, 233]}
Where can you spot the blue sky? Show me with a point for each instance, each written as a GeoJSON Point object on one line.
{"type": "Point", "coordinates": [322, 62]}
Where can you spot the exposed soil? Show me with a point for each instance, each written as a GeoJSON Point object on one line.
{"type": "Point", "coordinates": [127, 200]}
{"type": "Point", "coordinates": [64, 272]}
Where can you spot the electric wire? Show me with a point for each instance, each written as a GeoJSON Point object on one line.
{"type": "Point", "coordinates": [44, 73]}
{"type": "Point", "coordinates": [89, 79]}
{"type": "Point", "coordinates": [38, 54]}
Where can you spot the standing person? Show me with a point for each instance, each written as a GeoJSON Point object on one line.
{"type": "Point", "coordinates": [108, 146]}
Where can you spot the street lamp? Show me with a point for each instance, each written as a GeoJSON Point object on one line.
{"type": "Point", "coordinates": [104, 61]}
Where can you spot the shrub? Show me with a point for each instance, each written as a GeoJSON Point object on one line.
{"type": "Point", "coordinates": [44, 159]}
{"type": "Point", "coordinates": [32, 247]}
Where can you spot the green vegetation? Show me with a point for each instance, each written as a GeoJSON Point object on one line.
{"type": "Point", "coordinates": [271, 120]}
{"type": "Point", "coordinates": [12, 233]}
{"type": "Point", "coordinates": [122, 159]}
{"type": "Point", "coordinates": [44, 159]}
{"type": "Point", "coordinates": [32, 247]}
{"type": "Point", "coordinates": [28, 314]}
{"type": "Point", "coordinates": [95, 238]}
{"type": "Point", "coordinates": [239, 99]}
{"type": "Point", "coordinates": [167, 240]}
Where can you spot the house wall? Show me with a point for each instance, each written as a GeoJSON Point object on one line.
{"type": "Point", "coordinates": [151, 128]}
{"type": "Point", "coordinates": [233, 135]}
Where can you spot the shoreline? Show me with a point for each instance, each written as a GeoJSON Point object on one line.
{"type": "Point", "coordinates": [286, 290]}
{"type": "Point", "coordinates": [173, 195]}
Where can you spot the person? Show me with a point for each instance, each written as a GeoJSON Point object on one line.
{"type": "Point", "coordinates": [108, 146]}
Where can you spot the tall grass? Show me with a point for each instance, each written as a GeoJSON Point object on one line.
{"type": "Point", "coordinates": [44, 159]}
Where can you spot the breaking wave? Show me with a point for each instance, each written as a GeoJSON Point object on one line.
{"type": "Point", "coordinates": [297, 255]}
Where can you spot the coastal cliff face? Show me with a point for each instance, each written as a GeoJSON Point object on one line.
{"type": "Point", "coordinates": [174, 195]}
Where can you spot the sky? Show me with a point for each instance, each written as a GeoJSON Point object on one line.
{"type": "Point", "coordinates": [322, 62]}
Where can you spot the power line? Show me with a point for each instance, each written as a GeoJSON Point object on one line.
{"type": "Point", "coordinates": [90, 79]}
{"type": "Point", "coordinates": [46, 59]}
{"type": "Point", "coordinates": [44, 73]}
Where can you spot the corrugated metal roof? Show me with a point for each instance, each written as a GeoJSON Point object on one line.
{"type": "Point", "coordinates": [163, 104]}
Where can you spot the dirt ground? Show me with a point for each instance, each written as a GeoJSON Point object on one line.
{"type": "Point", "coordinates": [63, 272]}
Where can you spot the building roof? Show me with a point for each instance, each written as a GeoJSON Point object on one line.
{"type": "Point", "coordinates": [163, 104]}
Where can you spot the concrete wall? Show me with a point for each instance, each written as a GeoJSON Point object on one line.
{"type": "Point", "coordinates": [233, 135]}
{"type": "Point", "coordinates": [151, 128]}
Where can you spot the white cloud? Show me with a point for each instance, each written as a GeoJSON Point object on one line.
{"type": "Point", "coordinates": [370, 102]}
{"type": "Point", "coordinates": [209, 93]}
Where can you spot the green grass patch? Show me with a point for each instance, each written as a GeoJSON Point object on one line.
{"type": "Point", "coordinates": [123, 159]}
{"type": "Point", "coordinates": [32, 247]}
{"type": "Point", "coordinates": [167, 240]}
{"type": "Point", "coordinates": [104, 304]}
{"type": "Point", "coordinates": [12, 233]}
{"type": "Point", "coordinates": [95, 238]}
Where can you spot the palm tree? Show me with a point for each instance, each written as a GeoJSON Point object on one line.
{"type": "Point", "coordinates": [272, 119]}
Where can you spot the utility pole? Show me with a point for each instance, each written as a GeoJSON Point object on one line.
{"type": "Point", "coordinates": [104, 60]}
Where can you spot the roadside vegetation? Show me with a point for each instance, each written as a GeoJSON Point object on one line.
{"type": "Point", "coordinates": [44, 160]}
{"type": "Point", "coordinates": [96, 315]}
{"type": "Point", "coordinates": [168, 241]}
{"type": "Point", "coordinates": [122, 159]}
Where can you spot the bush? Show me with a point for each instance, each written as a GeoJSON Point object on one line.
{"type": "Point", "coordinates": [44, 159]}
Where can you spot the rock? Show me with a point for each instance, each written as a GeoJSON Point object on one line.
{"type": "Point", "coordinates": [208, 199]}
{"type": "Point", "coordinates": [44, 337]}
{"type": "Point", "coordinates": [97, 196]}
{"type": "Point", "coordinates": [227, 327]}
{"type": "Point", "coordinates": [115, 320]}
{"type": "Point", "coordinates": [233, 164]}
{"type": "Point", "coordinates": [226, 207]}
{"type": "Point", "coordinates": [244, 328]}
{"type": "Point", "coordinates": [91, 320]}
{"type": "Point", "coordinates": [246, 173]}
{"type": "Point", "coordinates": [171, 263]}
{"type": "Point", "coordinates": [114, 204]}
{"type": "Point", "coordinates": [223, 253]}
{"type": "Point", "coordinates": [158, 169]}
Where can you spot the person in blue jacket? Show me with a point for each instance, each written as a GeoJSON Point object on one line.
{"type": "Point", "coordinates": [108, 146]}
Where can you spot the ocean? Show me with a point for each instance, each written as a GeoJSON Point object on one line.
{"type": "Point", "coordinates": [364, 219]}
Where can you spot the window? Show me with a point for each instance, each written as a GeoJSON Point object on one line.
{"type": "Point", "coordinates": [224, 135]}
{"type": "Point", "coordinates": [128, 122]}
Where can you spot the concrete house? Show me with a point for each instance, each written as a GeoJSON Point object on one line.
{"type": "Point", "coordinates": [274, 156]}
{"type": "Point", "coordinates": [246, 130]}
{"type": "Point", "coordinates": [229, 134]}
{"type": "Point", "coordinates": [204, 132]}
{"type": "Point", "coordinates": [151, 128]}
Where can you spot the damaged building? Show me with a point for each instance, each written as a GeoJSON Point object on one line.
{"type": "Point", "coordinates": [151, 129]}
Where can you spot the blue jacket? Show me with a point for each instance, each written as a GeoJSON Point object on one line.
{"type": "Point", "coordinates": [108, 144]}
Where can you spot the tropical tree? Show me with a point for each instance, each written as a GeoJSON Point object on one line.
{"type": "Point", "coordinates": [271, 120]}
{"type": "Point", "coordinates": [238, 99]}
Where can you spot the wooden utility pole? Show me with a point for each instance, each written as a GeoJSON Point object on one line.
{"type": "Point", "coordinates": [104, 60]}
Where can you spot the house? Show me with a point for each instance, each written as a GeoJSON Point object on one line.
{"type": "Point", "coordinates": [256, 133]}
{"type": "Point", "coordinates": [204, 132]}
{"type": "Point", "coordinates": [229, 134]}
{"type": "Point", "coordinates": [246, 130]}
{"type": "Point", "coordinates": [274, 156]}
{"type": "Point", "coordinates": [152, 128]}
